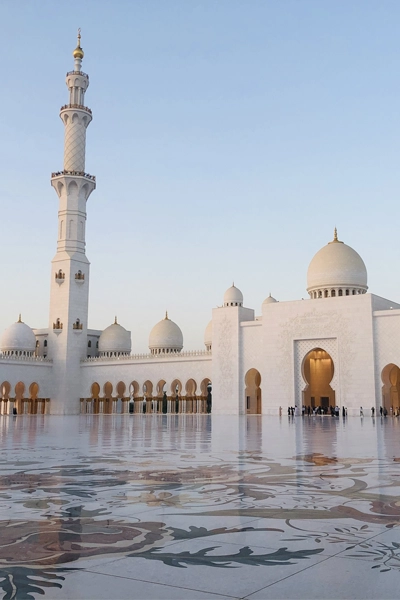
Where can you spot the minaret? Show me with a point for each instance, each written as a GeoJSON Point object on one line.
{"type": "Point", "coordinates": [69, 294]}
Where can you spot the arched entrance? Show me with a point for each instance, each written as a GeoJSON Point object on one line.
{"type": "Point", "coordinates": [318, 371]}
{"type": "Point", "coordinates": [391, 387]}
{"type": "Point", "coordinates": [253, 392]}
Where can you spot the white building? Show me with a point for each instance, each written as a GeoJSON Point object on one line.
{"type": "Point", "coordinates": [340, 347]}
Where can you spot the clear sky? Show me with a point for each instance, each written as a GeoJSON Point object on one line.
{"type": "Point", "coordinates": [228, 139]}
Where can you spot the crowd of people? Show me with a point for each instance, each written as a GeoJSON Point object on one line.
{"type": "Point", "coordinates": [334, 411]}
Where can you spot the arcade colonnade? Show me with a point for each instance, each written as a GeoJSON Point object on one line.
{"type": "Point", "coordinates": [188, 398]}
{"type": "Point", "coordinates": [24, 398]}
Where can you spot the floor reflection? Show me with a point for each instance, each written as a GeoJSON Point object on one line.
{"type": "Point", "coordinates": [190, 495]}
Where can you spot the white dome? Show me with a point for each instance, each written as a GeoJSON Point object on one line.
{"type": "Point", "coordinates": [334, 267]}
{"type": "Point", "coordinates": [269, 300]}
{"type": "Point", "coordinates": [19, 337]}
{"type": "Point", "coordinates": [208, 335]}
{"type": "Point", "coordinates": [166, 335]}
{"type": "Point", "coordinates": [115, 339]}
{"type": "Point", "coordinates": [233, 297]}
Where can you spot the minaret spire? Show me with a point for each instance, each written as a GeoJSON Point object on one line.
{"type": "Point", "coordinates": [69, 301]}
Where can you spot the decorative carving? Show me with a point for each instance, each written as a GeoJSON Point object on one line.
{"type": "Point", "coordinates": [316, 328]}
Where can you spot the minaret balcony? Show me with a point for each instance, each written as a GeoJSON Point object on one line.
{"type": "Point", "coordinates": [74, 174]}
{"type": "Point", "coordinates": [77, 73]}
{"type": "Point", "coordinates": [76, 106]}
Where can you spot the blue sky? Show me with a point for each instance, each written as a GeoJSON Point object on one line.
{"type": "Point", "coordinates": [228, 139]}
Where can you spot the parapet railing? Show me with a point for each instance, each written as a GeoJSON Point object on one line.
{"type": "Point", "coordinates": [77, 73]}
{"type": "Point", "coordinates": [25, 358]}
{"type": "Point", "coordinates": [75, 173]}
{"type": "Point", "coordinates": [127, 357]}
{"type": "Point", "coordinates": [79, 106]}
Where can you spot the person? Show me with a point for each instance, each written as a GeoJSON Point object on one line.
{"type": "Point", "coordinates": [15, 412]}
{"type": "Point", "coordinates": [381, 410]}
{"type": "Point", "coordinates": [361, 411]}
{"type": "Point", "coordinates": [373, 411]}
{"type": "Point", "coordinates": [343, 411]}
{"type": "Point", "coordinates": [288, 411]}
{"type": "Point", "coordinates": [385, 412]}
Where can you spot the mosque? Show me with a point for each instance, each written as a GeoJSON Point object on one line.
{"type": "Point", "coordinates": [338, 348]}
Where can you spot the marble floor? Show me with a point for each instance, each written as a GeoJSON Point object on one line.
{"type": "Point", "coordinates": [199, 507]}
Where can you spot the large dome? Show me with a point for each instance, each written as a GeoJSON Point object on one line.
{"type": "Point", "coordinates": [233, 297]}
{"type": "Point", "coordinates": [269, 300]}
{"type": "Point", "coordinates": [336, 270]}
{"type": "Point", "coordinates": [18, 339]}
{"type": "Point", "coordinates": [165, 337]}
{"type": "Point", "coordinates": [115, 340]}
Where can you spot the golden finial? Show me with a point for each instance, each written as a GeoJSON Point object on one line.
{"type": "Point", "coordinates": [78, 52]}
{"type": "Point", "coordinates": [115, 321]}
{"type": "Point", "coordinates": [335, 238]}
{"type": "Point", "coordinates": [19, 318]}
{"type": "Point", "coordinates": [166, 316]}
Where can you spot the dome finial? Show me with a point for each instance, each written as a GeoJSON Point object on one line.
{"type": "Point", "coordinates": [166, 316]}
{"type": "Point", "coordinates": [335, 237]}
{"type": "Point", "coordinates": [115, 320]}
{"type": "Point", "coordinates": [78, 52]}
{"type": "Point", "coordinates": [19, 318]}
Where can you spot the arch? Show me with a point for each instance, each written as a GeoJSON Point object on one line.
{"type": "Point", "coordinates": [134, 389]}
{"type": "Point", "coordinates": [5, 390]}
{"type": "Point", "coordinates": [190, 387]}
{"type": "Point", "coordinates": [89, 344]}
{"type": "Point", "coordinates": [33, 391]}
{"type": "Point", "coordinates": [60, 187]}
{"type": "Point", "coordinates": [19, 390]}
{"type": "Point", "coordinates": [70, 228]}
{"type": "Point", "coordinates": [160, 388]}
{"type": "Point", "coordinates": [121, 389]}
{"type": "Point", "coordinates": [204, 385]}
{"type": "Point", "coordinates": [72, 188]}
{"type": "Point", "coordinates": [95, 390]}
{"type": "Point", "coordinates": [108, 398]}
{"type": "Point", "coordinates": [253, 392]}
{"type": "Point", "coordinates": [176, 388]}
{"type": "Point", "coordinates": [148, 388]}
{"type": "Point", "coordinates": [75, 118]}
{"type": "Point", "coordinates": [391, 387]}
{"type": "Point", "coordinates": [317, 371]}
{"type": "Point", "coordinates": [108, 390]}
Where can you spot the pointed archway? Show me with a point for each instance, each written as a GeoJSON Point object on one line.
{"type": "Point", "coordinates": [253, 392]}
{"type": "Point", "coordinates": [391, 387]}
{"type": "Point", "coordinates": [318, 370]}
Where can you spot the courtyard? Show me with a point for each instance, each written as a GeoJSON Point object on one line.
{"type": "Point", "coordinates": [199, 507]}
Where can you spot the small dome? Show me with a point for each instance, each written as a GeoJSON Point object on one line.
{"type": "Point", "coordinates": [18, 338]}
{"type": "Point", "coordinates": [233, 297]}
{"type": "Point", "coordinates": [115, 339]}
{"type": "Point", "coordinates": [269, 300]}
{"type": "Point", "coordinates": [208, 336]}
{"type": "Point", "coordinates": [165, 336]}
{"type": "Point", "coordinates": [78, 52]}
{"type": "Point", "coordinates": [335, 267]}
